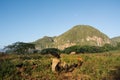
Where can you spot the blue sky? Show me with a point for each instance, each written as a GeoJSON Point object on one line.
{"type": "Point", "coordinates": [29, 20]}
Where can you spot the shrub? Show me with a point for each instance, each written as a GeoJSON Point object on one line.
{"type": "Point", "coordinates": [88, 49]}
{"type": "Point", "coordinates": [6, 69]}
{"type": "Point", "coordinates": [71, 49]}
{"type": "Point", "coordinates": [53, 51]}
{"type": "Point", "coordinates": [108, 47]}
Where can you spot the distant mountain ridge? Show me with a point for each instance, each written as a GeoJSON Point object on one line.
{"type": "Point", "coordinates": [116, 39]}
{"type": "Point", "coordinates": [45, 42]}
{"type": "Point", "coordinates": [78, 35]}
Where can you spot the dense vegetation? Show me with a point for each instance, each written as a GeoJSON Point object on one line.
{"type": "Point", "coordinates": [89, 49]}
{"type": "Point", "coordinates": [102, 66]}
{"type": "Point", "coordinates": [19, 48]}
{"type": "Point", "coordinates": [53, 51]}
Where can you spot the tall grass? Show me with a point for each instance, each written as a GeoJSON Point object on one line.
{"type": "Point", "coordinates": [99, 66]}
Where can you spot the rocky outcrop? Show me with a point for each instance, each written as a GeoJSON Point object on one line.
{"type": "Point", "coordinates": [78, 35]}
{"type": "Point", "coordinates": [99, 41]}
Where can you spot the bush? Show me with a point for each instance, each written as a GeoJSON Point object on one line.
{"type": "Point", "coordinates": [6, 69]}
{"type": "Point", "coordinates": [108, 47]}
{"type": "Point", "coordinates": [71, 49]}
{"type": "Point", "coordinates": [53, 51]}
{"type": "Point", "coordinates": [88, 49]}
{"type": "Point", "coordinates": [118, 45]}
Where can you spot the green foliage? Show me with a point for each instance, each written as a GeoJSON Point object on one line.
{"type": "Point", "coordinates": [19, 47]}
{"type": "Point", "coordinates": [99, 66]}
{"type": "Point", "coordinates": [83, 49]}
{"type": "Point", "coordinates": [89, 49]}
{"type": "Point", "coordinates": [118, 45]}
{"type": "Point", "coordinates": [53, 51]}
{"type": "Point", "coordinates": [6, 69]}
{"type": "Point", "coordinates": [71, 49]}
{"type": "Point", "coordinates": [108, 47]}
{"type": "Point", "coordinates": [104, 66]}
{"type": "Point", "coordinates": [50, 50]}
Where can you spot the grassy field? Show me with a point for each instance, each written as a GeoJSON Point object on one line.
{"type": "Point", "coordinates": [97, 66]}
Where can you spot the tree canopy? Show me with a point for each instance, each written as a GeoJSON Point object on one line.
{"type": "Point", "coordinates": [19, 47]}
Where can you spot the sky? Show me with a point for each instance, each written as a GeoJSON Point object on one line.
{"type": "Point", "coordinates": [29, 20]}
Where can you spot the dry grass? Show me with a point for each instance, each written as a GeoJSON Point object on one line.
{"type": "Point", "coordinates": [99, 66]}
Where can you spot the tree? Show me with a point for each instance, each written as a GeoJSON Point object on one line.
{"type": "Point", "coordinates": [83, 49]}
{"type": "Point", "coordinates": [118, 45]}
{"type": "Point", "coordinates": [70, 49]}
{"type": "Point", "coordinates": [19, 47]}
{"type": "Point", "coordinates": [53, 51]}
{"type": "Point", "coordinates": [108, 47]}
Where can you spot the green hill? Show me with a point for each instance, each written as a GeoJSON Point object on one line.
{"type": "Point", "coordinates": [78, 35]}
{"type": "Point", "coordinates": [81, 35]}
{"type": "Point", "coordinates": [116, 39]}
{"type": "Point", "coordinates": [44, 42]}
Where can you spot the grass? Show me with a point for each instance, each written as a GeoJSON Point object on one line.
{"type": "Point", "coordinates": [97, 66]}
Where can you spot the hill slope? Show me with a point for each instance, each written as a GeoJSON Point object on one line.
{"type": "Point", "coordinates": [81, 35]}
{"type": "Point", "coordinates": [44, 42]}
{"type": "Point", "coordinates": [78, 35]}
{"type": "Point", "coordinates": [116, 39]}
